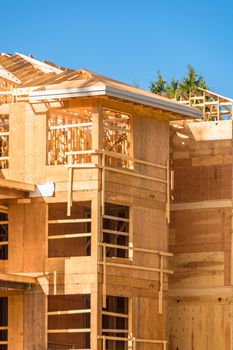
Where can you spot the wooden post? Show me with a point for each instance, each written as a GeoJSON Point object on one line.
{"type": "Point", "coordinates": [104, 277]}
{"type": "Point", "coordinates": [130, 323]}
{"type": "Point", "coordinates": [104, 342]}
{"type": "Point", "coordinates": [103, 184]}
{"type": "Point", "coordinates": [134, 343]}
{"type": "Point", "coordinates": [168, 193]}
{"type": "Point", "coordinates": [96, 303]}
{"type": "Point", "coordinates": [161, 286]}
{"type": "Point", "coordinates": [70, 186]}
{"type": "Point", "coordinates": [96, 295]}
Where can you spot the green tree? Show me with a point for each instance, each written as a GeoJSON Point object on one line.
{"type": "Point", "coordinates": [159, 86]}
{"type": "Point", "coordinates": [190, 84]}
{"type": "Point", "coordinates": [171, 88]}
{"type": "Point", "coordinates": [179, 89]}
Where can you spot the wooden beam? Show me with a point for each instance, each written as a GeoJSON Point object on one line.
{"type": "Point", "coordinates": [17, 278]}
{"type": "Point", "coordinates": [14, 285]}
{"type": "Point", "coordinates": [17, 185]}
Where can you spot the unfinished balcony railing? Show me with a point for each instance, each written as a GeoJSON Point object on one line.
{"type": "Point", "coordinates": [69, 236]}
{"type": "Point", "coordinates": [4, 323]}
{"type": "Point", "coordinates": [105, 262]}
{"type": "Point", "coordinates": [103, 164]}
{"type": "Point", "coordinates": [111, 256]}
{"type": "Point", "coordinates": [131, 341]}
{"type": "Point", "coordinates": [69, 321]}
{"type": "Point", "coordinates": [3, 233]}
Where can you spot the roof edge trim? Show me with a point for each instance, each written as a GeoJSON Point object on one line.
{"type": "Point", "coordinates": [118, 93]}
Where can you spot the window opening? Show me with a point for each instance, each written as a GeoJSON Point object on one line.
{"type": "Point", "coordinates": [69, 235]}
{"type": "Point", "coordinates": [69, 131]}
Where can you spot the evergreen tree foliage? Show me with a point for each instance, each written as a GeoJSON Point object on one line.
{"type": "Point", "coordinates": [159, 86]}
{"type": "Point", "coordinates": [179, 89]}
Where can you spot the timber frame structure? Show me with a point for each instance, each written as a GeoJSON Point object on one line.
{"type": "Point", "coordinates": [214, 107]}
{"type": "Point", "coordinates": [200, 290]}
{"type": "Point", "coordinates": [85, 208]}
{"type": "Point", "coordinates": [98, 208]}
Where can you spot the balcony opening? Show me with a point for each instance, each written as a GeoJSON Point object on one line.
{"type": "Point", "coordinates": [69, 322]}
{"type": "Point", "coordinates": [115, 319]}
{"type": "Point", "coordinates": [3, 323]}
{"type": "Point", "coordinates": [116, 230]}
{"type": "Point", "coordinates": [69, 235]}
{"type": "Point", "coordinates": [3, 236]}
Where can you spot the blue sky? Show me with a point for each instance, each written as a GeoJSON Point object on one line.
{"type": "Point", "coordinates": [126, 40]}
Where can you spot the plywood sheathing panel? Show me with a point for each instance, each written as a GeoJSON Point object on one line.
{"type": "Point", "coordinates": [211, 130]}
{"type": "Point", "coordinates": [144, 145]}
{"type": "Point", "coordinates": [200, 227]}
{"type": "Point", "coordinates": [200, 236]}
{"type": "Point", "coordinates": [17, 142]}
{"type": "Point", "coordinates": [199, 325]}
{"type": "Point", "coordinates": [27, 144]}
{"type": "Point", "coordinates": [27, 237]}
{"type": "Point", "coordinates": [202, 183]}
{"type": "Point", "coordinates": [202, 169]}
{"type": "Point", "coordinates": [15, 317]}
{"type": "Point", "coordinates": [196, 270]}
{"type": "Point", "coordinates": [150, 325]}
{"type": "Point", "coordinates": [35, 320]}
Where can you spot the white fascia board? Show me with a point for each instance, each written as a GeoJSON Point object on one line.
{"type": "Point", "coordinates": [118, 93]}
{"type": "Point", "coordinates": [66, 93]}
{"type": "Point", "coordinates": [153, 102]}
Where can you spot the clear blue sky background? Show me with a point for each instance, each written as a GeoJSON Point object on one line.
{"type": "Point", "coordinates": [126, 40]}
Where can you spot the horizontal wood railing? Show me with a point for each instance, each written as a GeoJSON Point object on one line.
{"type": "Point", "coordinates": [4, 328]}
{"type": "Point", "coordinates": [122, 170]}
{"type": "Point", "coordinates": [70, 235]}
{"type": "Point", "coordinates": [132, 341]}
{"type": "Point", "coordinates": [161, 270]}
{"type": "Point", "coordinates": [68, 312]}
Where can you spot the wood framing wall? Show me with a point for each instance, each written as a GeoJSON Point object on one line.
{"type": "Point", "coordinates": [200, 236]}
{"type": "Point", "coordinates": [143, 278]}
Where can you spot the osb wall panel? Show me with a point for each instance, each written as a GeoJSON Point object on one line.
{"type": "Point", "coordinates": [200, 239]}
{"type": "Point", "coordinates": [199, 326]}
{"type": "Point", "coordinates": [27, 144]}
{"type": "Point", "coordinates": [202, 172]}
{"type": "Point", "coordinates": [201, 242]}
{"type": "Point", "coordinates": [197, 270]}
{"type": "Point", "coordinates": [208, 229]}
{"type": "Point", "coordinates": [198, 183]}
{"type": "Point", "coordinates": [151, 224]}
{"type": "Point", "coordinates": [34, 320]}
{"type": "Point", "coordinates": [152, 325]}
{"type": "Point", "coordinates": [150, 139]}
{"type": "Point", "coordinates": [27, 237]}
{"type": "Point", "coordinates": [202, 169]}
{"type": "Point", "coordinates": [15, 321]}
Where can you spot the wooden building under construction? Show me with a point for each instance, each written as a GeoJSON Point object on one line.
{"type": "Point", "coordinates": [200, 290]}
{"type": "Point", "coordinates": [112, 237]}
{"type": "Point", "coordinates": [85, 207]}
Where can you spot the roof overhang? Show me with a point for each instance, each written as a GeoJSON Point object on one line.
{"type": "Point", "coordinates": [105, 90]}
